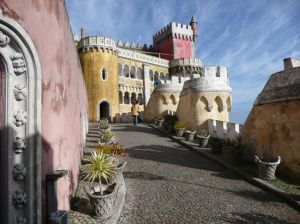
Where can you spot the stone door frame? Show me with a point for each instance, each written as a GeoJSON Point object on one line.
{"type": "Point", "coordinates": [22, 124]}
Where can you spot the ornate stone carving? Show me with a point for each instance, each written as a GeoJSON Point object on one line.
{"type": "Point", "coordinates": [19, 199]}
{"type": "Point", "coordinates": [18, 63]}
{"type": "Point", "coordinates": [19, 145]}
{"type": "Point", "coordinates": [21, 220]}
{"type": "Point", "coordinates": [4, 39]}
{"type": "Point", "coordinates": [20, 118]}
{"type": "Point", "coordinates": [20, 92]}
{"type": "Point", "coordinates": [19, 172]}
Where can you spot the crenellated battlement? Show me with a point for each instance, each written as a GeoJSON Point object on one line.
{"type": "Point", "coordinates": [173, 30]}
{"type": "Point", "coordinates": [223, 129]}
{"type": "Point", "coordinates": [186, 62]}
{"type": "Point", "coordinates": [134, 46]}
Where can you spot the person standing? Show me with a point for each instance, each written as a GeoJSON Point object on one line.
{"type": "Point", "coordinates": [135, 112]}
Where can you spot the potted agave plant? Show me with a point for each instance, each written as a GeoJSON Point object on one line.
{"type": "Point", "coordinates": [203, 138]}
{"type": "Point", "coordinates": [100, 168]}
{"type": "Point", "coordinates": [108, 137]}
{"type": "Point", "coordinates": [118, 152]}
{"type": "Point", "coordinates": [103, 124]}
{"type": "Point", "coordinates": [179, 128]}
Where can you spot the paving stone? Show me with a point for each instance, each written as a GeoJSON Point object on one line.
{"type": "Point", "coordinates": [167, 183]}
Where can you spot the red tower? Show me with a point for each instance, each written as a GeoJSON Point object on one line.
{"type": "Point", "coordinates": [176, 40]}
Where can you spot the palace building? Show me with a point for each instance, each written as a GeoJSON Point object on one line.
{"type": "Point", "coordinates": [117, 73]}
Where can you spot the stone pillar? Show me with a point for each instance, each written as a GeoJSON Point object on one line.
{"type": "Point", "coordinates": [147, 92]}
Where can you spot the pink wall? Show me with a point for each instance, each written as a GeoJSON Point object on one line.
{"type": "Point", "coordinates": [64, 98]}
{"type": "Point", "coordinates": [1, 99]}
{"type": "Point", "coordinates": [166, 47]}
{"type": "Point", "coordinates": [183, 49]}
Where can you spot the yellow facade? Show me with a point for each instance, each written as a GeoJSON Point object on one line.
{"type": "Point", "coordinates": [93, 62]}
{"type": "Point", "coordinates": [195, 109]}
{"type": "Point", "coordinates": [273, 130]}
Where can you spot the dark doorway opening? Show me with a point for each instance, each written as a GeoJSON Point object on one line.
{"type": "Point", "coordinates": [104, 110]}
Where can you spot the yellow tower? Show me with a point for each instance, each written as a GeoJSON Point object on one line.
{"type": "Point", "coordinates": [98, 57]}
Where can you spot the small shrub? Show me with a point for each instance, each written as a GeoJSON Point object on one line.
{"type": "Point", "coordinates": [179, 125]}
{"type": "Point", "coordinates": [114, 149]}
{"type": "Point", "coordinates": [103, 123]}
{"type": "Point", "coordinates": [107, 134]}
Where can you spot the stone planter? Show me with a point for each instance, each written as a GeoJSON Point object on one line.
{"type": "Point", "coordinates": [109, 141]}
{"type": "Point", "coordinates": [102, 205]}
{"type": "Point", "coordinates": [203, 140]}
{"type": "Point", "coordinates": [160, 122]}
{"type": "Point", "coordinates": [266, 167]}
{"type": "Point", "coordinates": [232, 155]}
{"type": "Point", "coordinates": [189, 135]}
{"type": "Point", "coordinates": [179, 132]}
{"type": "Point", "coordinates": [216, 147]}
{"type": "Point", "coordinates": [116, 178]}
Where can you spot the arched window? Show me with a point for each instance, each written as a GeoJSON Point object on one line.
{"type": "Point", "coordinates": [133, 97]}
{"type": "Point", "coordinates": [132, 72]}
{"type": "Point", "coordinates": [163, 99]}
{"type": "Point", "coordinates": [218, 103]}
{"type": "Point", "coordinates": [126, 98]}
{"type": "Point", "coordinates": [104, 73]}
{"type": "Point", "coordinates": [120, 97]}
{"type": "Point", "coordinates": [162, 77]}
{"type": "Point", "coordinates": [173, 100]}
{"type": "Point", "coordinates": [119, 69]}
{"type": "Point", "coordinates": [151, 75]}
{"type": "Point", "coordinates": [126, 71]}
{"type": "Point", "coordinates": [228, 104]}
{"type": "Point", "coordinates": [140, 98]}
{"type": "Point", "coordinates": [204, 103]}
{"type": "Point", "coordinates": [139, 74]}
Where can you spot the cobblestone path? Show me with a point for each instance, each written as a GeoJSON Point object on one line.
{"type": "Point", "coordinates": [167, 183]}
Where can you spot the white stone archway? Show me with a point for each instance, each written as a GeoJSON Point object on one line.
{"type": "Point", "coordinates": [21, 126]}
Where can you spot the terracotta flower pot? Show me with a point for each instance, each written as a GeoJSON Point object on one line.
{"type": "Point", "coordinates": [189, 135]}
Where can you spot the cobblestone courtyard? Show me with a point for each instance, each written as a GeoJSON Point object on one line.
{"type": "Point", "coordinates": [167, 183]}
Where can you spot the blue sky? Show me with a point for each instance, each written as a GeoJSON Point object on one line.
{"type": "Point", "coordinates": [250, 37]}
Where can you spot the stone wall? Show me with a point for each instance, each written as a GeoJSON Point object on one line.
{"type": "Point", "coordinates": [273, 125]}
{"type": "Point", "coordinates": [63, 95]}
{"type": "Point", "coordinates": [223, 129]}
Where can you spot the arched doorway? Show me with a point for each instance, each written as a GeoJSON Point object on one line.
{"type": "Point", "coordinates": [104, 110]}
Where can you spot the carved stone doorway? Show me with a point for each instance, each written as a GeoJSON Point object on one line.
{"type": "Point", "coordinates": [20, 126]}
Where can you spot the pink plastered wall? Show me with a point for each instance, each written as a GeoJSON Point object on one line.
{"type": "Point", "coordinates": [167, 49]}
{"type": "Point", "coordinates": [183, 49]}
{"type": "Point", "coordinates": [64, 97]}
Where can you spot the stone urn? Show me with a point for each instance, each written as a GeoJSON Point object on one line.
{"type": "Point", "coordinates": [102, 205]}
{"type": "Point", "coordinates": [179, 132]}
{"type": "Point", "coordinates": [203, 140]}
{"type": "Point", "coordinates": [189, 135]}
{"type": "Point", "coordinates": [160, 122]}
{"type": "Point", "coordinates": [266, 167]}
{"type": "Point", "coordinates": [232, 155]}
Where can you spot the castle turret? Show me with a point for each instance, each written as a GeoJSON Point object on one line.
{"type": "Point", "coordinates": [193, 24]}
{"type": "Point", "coordinates": [176, 41]}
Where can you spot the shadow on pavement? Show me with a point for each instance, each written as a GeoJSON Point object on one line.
{"type": "Point", "coordinates": [247, 218]}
